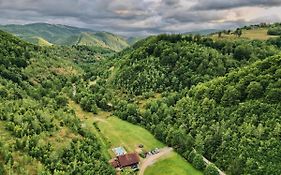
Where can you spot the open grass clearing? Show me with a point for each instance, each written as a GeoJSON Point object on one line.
{"type": "Point", "coordinates": [127, 135]}
{"type": "Point", "coordinates": [172, 164]}
{"type": "Point", "coordinates": [114, 132]}
{"type": "Point", "coordinates": [258, 34]}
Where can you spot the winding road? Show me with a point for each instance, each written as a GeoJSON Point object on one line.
{"type": "Point", "coordinates": [153, 158]}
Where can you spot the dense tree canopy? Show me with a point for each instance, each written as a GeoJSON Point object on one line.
{"type": "Point", "coordinates": [34, 83]}
{"type": "Point", "coordinates": [214, 98]}
{"type": "Point", "coordinates": [170, 63]}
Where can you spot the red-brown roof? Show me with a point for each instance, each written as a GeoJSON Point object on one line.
{"type": "Point", "coordinates": [114, 163]}
{"type": "Point", "coordinates": [128, 159]}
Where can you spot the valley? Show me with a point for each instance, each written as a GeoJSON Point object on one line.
{"type": "Point", "coordinates": [169, 102]}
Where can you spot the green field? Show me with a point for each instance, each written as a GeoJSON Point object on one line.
{"type": "Point", "coordinates": [122, 133]}
{"type": "Point", "coordinates": [173, 164]}
{"type": "Point", "coordinates": [115, 132]}
{"type": "Point", "coordinates": [258, 34]}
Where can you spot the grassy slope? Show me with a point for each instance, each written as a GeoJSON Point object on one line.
{"type": "Point", "coordinates": [173, 164]}
{"type": "Point", "coordinates": [115, 42]}
{"type": "Point", "coordinates": [89, 39]}
{"type": "Point", "coordinates": [127, 135]}
{"type": "Point", "coordinates": [42, 42]}
{"type": "Point", "coordinates": [116, 132]}
{"type": "Point", "coordinates": [259, 34]}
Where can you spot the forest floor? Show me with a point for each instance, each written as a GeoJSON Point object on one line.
{"type": "Point", "coordinates": [114, 132]}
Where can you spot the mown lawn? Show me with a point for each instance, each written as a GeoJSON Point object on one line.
{"type": "Point", "coordinates": [173, 164]}
{"type": "Point", "coordinates": [122, 133]}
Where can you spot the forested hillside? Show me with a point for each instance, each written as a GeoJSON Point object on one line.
{"type": "Point", "coordinates": [39, 134]}
{"type": "Point", "coordinates": [232, 120]}
{"type": "Point", "coordinates": [176, 62]}
{"type": "Point", "coordinates": [219, 99]}
{"type": "Point", "coordinates": [47, 34]}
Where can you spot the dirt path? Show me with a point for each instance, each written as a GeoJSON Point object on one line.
{"type": "Point", "coordinates": [153, 158]}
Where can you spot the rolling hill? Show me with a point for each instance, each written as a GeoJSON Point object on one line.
{"type": "Point", "coordinates": [207, 98]}
{"type": "Point", "coordinates": [48, 34]}
{"type": "Point", "coordinates": [30, 75]}
{"type": "Point", "coordinates": [219, 99]}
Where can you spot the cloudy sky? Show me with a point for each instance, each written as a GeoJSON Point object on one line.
{"type": "Point", "coordinates": [142, 17]}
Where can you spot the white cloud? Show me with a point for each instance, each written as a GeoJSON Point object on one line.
{"type": "Point", "coordinates": [141, 16]}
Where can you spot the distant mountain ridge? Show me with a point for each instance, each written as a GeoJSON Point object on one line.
{"type": "Point", "coordinates": [58, 34]}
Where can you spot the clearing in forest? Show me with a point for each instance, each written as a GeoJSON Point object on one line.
{"type": "Point", "coordinates": [172, 164]}
{"type": "Point", "coordinates": [114, 132]}
{"type": "Point", "coordinates": [258, 34]}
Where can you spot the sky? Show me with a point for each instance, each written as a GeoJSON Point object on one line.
{"type": "Point", "coordinates": [142, 17]}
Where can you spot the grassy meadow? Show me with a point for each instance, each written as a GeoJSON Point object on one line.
{"type": "Point", "coordinates": [114, 132]}
{"type": "Point", "coordinates": [258, 34]}
{"type": "Point", "coordinates": [122, 133]}
{"type": "Point", "coordinates": [172, 164]}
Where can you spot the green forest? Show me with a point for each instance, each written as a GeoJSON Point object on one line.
{"type": "Point", "coordinates": [217, 99]}
{"type": "Point", "coordinates": [33, 88]}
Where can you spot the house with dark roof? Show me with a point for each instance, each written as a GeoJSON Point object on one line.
{"type": "Point", "coordinates": [125, 160]}
{"type": "Point", "coordinates": [128, 159]}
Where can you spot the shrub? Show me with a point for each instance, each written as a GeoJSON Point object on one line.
{"type": "Point", "coordinates": [211, 170]}
{"type": "Point", "coordinates": [191, 156]}
{"type": "Point", "coordinates": [198, 162]}
{"type": "Point", "coordinates": [2, 170]}
{"type": "Point", "coordinates": [274, 31]}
